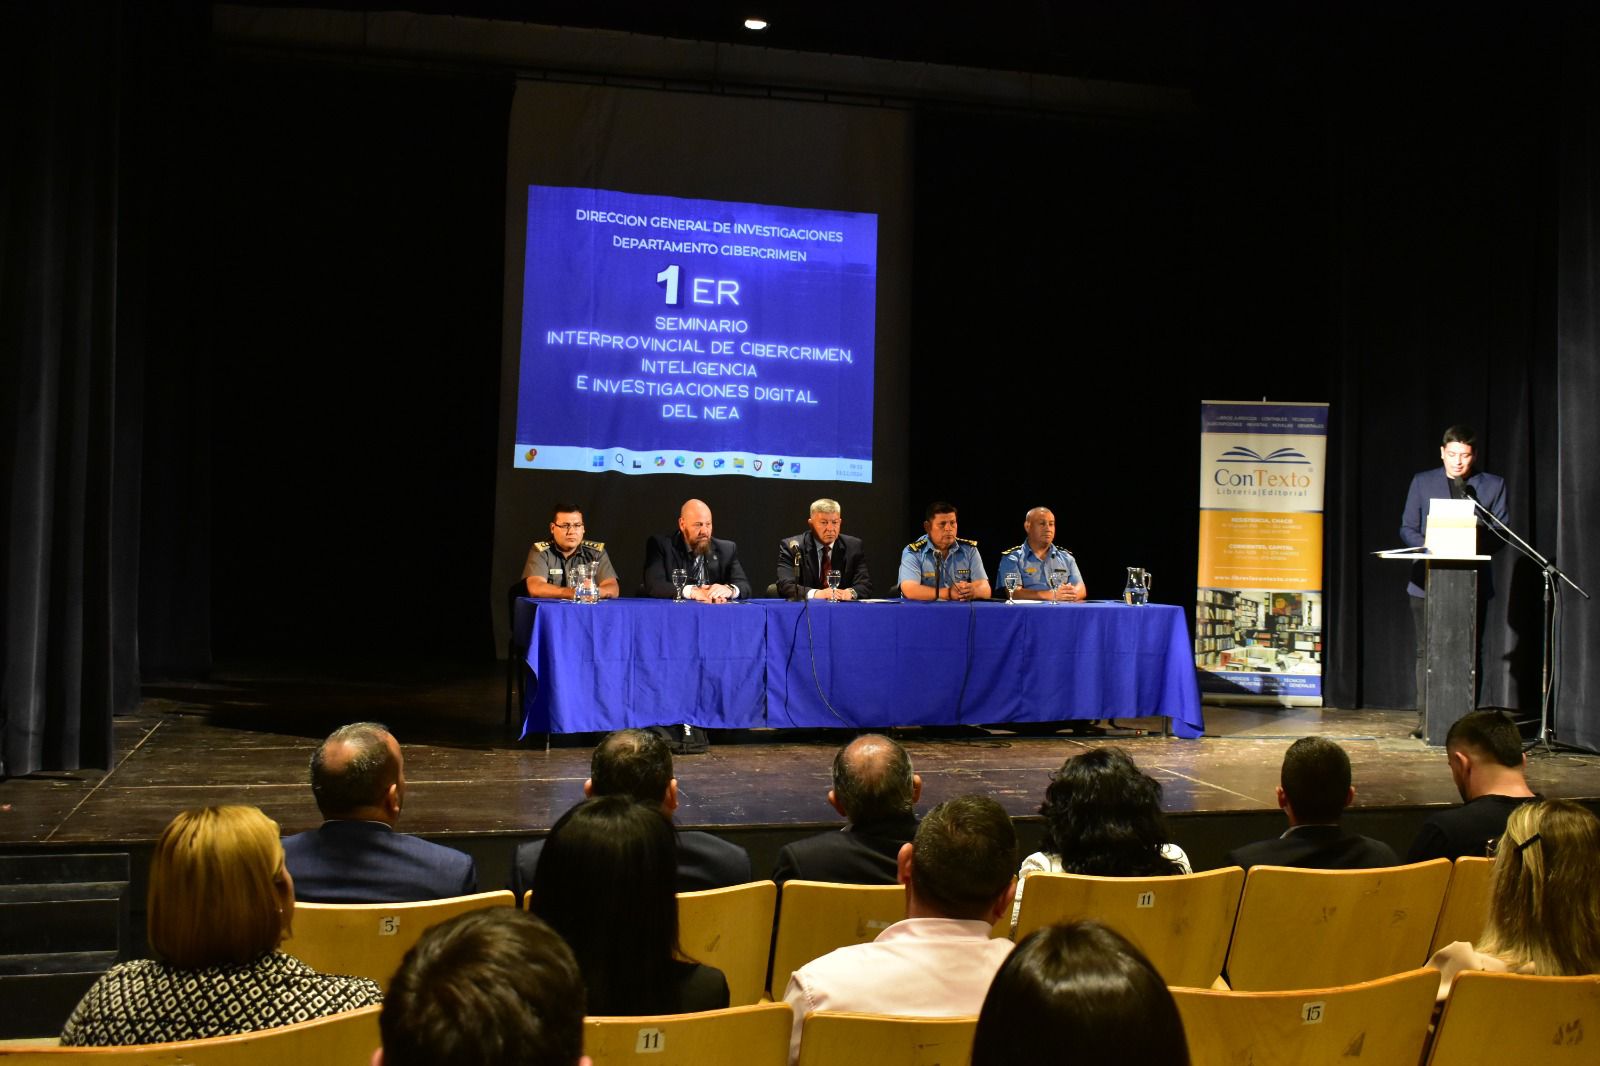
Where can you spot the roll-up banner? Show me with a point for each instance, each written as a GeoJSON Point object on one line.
{"type": "Point", "coordinates": [1258, 605]}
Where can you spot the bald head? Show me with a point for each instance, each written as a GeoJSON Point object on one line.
{"type": "Point", "coordinates": [872, 779]}
{"type": "Point", "coordinates": [1040, 525]}
{"type": "Point", "coordinates": [358, 772]}
{"type": "Point", "coordinates": [694, 522]}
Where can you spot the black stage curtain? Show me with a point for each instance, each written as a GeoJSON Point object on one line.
{"type": "Point", "coordinates": [70, 401]}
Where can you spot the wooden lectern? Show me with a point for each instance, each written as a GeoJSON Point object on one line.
{"type": "Point", "coordinates": [1450, 652]}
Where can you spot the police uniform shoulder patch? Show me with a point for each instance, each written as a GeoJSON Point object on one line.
{"type": "Point", "coordinates": [969, 542]}
{"type": "Point", "coordinates": [1015, 548]}
{"type": "Point", "coordinates": [597, 545]}
{"type": "Point", "coordinates": [917, 545]}
{"type": "Point", "coordinates": [541, 545]}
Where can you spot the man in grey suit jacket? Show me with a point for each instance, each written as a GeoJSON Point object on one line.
{"type": "Point", "coordinates": [638, 763]}
{"type": "Point", "coordinates": [1313, 792]}
{"type": "Point", "coordinates": [358, 777]}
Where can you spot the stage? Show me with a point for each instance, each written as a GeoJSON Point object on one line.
{"type": "Point", "coordinates": [246, 736]}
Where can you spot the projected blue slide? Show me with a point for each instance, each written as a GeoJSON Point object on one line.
{"type": "Point", "coordinates": [671, 336]}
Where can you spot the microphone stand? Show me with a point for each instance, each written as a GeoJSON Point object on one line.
{"type": "Point", "coordinates": [1549, 631]}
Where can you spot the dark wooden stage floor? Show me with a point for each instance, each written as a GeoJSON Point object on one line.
{"type": "Point", "coordinates": [246, 738]}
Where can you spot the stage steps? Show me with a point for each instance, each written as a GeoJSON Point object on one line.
{"type": "Point", "coordinates": [64, 920]}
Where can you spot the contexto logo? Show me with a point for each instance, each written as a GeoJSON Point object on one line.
{"type": "Point", "coordinates": [679, 461]}
{"type": "Point", "coordinates": [699, 463]}
{"type": "Point", "coordinates": [738, 464]}
{"type": "Point", "coordinates": [599, 461]}
{"type": "Point", "coordinates": [533, 453]}
{"type": "Point", "coordinates": [758, 464]}
{"type": "Point", "coordinates": [661, 460]}
{"type": "Point", "coordinates": [777, 466]}
{"type": "Point", "coordinates": [1240, 454]}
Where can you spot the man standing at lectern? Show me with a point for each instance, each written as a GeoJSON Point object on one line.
{"type": "Point", "coordinates": [1456, 480]}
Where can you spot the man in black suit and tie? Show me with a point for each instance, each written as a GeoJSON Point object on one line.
{"type": "Point", "coordinates": [638, 763]}
{"type": "Point", "coordinates": [1315, 789]}
{"type": "Point", "coordinates": [876, 793]}
{"type": "Point", "coordinates": [805, 560]}
{"type": "Point", "coordinates": [358, 777]}
{"type": "Point", "coordinates": [711, 565]}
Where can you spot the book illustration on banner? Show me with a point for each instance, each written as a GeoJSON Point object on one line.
{"type": "Point", "coordinates": [712, 331]}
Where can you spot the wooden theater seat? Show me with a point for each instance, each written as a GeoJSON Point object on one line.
{"type": "Point", "coordinates": [756, 1035]}
{"type": "Point", "coordinates": [370, 939]}
{"type": "Point", "coordinates": [346, 1039]}
{"type": "Point", "coordinates": [1466, 902]}
{"type": "Point", "coordinates": [1325, 928]}
{"type": "Point", "coordinates": [816, 917]}
{"type": "Point", "coordinates": [731, 929]}
{"type": "Point", "coordinates": [1182, 923]}
{"type": "Point", "coordinates": [1520, 1018]}
{"type": "Point", "coordinates": [836, 1038]}
{"type": "Point", "coordinates": [1375, 1023]}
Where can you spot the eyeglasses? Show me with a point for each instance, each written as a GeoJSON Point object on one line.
{"type": "Point", "coordinates": [570, 527]}
{"type": "Point", "coordinates": [1492, 848]}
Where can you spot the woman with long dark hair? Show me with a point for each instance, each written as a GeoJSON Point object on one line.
{"type": "Point", "coordinates": [1102, 816]}
{"type": "Point", "coordinates": [1078, 992]}
{"type": "Point", "coordinates": [606, 882]}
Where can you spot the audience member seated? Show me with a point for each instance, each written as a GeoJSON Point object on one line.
{"type": "Point", "coordinates": [606, 883]}
{"type": "Point", "coordinates": [1102, 816]}
{"type": "Point", "coordinates": [638, 764]}
{"type": "Point", "coordinates": [1313, 791]}
{"type": "Point", "coordinates": [876, 793]}
{"type": "Point", "coordinates": [1486, 763]}
{"type": "Point", "coordinates": [492, 987]}
{"type": "Point", "coordinates": [1081, 993]}
{"type": "Point", "coordinates": [220, 902]}
{"type": "Point", "coordinates": [1544, 902]}
{"type": "Point", "coordinates": [359, 780]}
{"type": "Point", "coordinates": [939, 960]}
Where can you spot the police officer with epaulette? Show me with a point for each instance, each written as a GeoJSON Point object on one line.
{"type": "Point", "coordinates": [548, 572]}
{"type": "Point", "coordinates": [1046, 572]}
{"type": "Point", "coordinates": [941, 565]}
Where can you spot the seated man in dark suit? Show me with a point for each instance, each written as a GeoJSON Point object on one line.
{"type": "Point", "coordinates": [637, 763]}
{"type": "Point", "coordinates": [1315, 789]}
{"type": "Point", "coordinates": [358, 777]}
{"type": "Point", "coordinates": [876, 792]}
{"type": "Point", "coordinates": [806, 559]}
{"type": "Point", "coordinates": [711, 566]}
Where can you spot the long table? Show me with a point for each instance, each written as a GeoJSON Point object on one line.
{"type": "Point", "coordinates": [640, 662]}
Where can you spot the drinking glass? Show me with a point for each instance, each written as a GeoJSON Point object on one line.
{"type": "Point", "coordinates": [1013, 579]}
{"type": "Point", "coordinates": [680, 577]}
{"type": "Point", "coordinates": [833, 584]}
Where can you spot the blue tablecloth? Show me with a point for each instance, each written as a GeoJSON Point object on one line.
{"type": "Point", "coordinates": [641, 662]}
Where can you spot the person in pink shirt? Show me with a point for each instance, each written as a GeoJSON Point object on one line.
{"type": "Point", "coordinates": [938, 961]}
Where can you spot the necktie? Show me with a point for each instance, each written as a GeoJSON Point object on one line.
{"type": "Point", "coordinates": [699, 569]}
{"type": "Point", "coordinates": [827, 563]}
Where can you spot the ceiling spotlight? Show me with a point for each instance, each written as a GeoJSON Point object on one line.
{"type": "Point", "coordinates": [755, 24]}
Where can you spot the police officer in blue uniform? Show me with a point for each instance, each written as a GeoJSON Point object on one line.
{"type": "Point", "coordinates": [941, 565]}
{"type": "Point", "coordinates": [1046, 571]}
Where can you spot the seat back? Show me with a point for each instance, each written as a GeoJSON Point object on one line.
{"type": "Point", "coordinates": [839, 1039]}
{"type": "Point", "coordinates": [1375, 1023]}
{"type": "Point", "coordinates": [346, 1039]}
{"type": "Point", "coordinates": [370, 939]}
{"type": "Point", "coordinates": [1324, 928]}
{"type": "Point", "coordinates": [816, 916]}
{"type": "Point", "coordinates": [1466, 902]}
{"type": "Point", "coordinates": [1182, 923]}
{"type": "Point", "coordinates": [731, 929]}
{"type": "Point", "coordinates": [1533, 1021]}
{"type": "Point", "coordinates": [756, 1035]}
